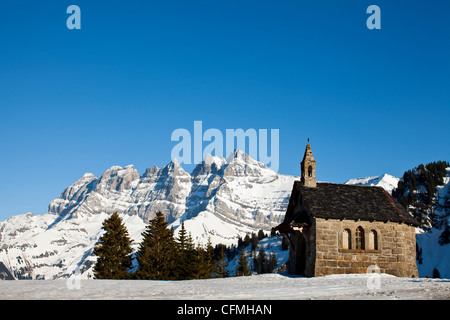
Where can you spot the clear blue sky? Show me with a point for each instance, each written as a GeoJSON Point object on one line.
{"type": "Point", "coordinates": [76, 101]}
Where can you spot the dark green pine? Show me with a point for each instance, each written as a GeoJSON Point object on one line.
{"type": "Point", "coordinates": [156, 255]}
{"type": "Point", "coordinates": [113, 250]}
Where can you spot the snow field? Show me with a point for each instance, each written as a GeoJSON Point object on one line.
{"type": "Point", "coordinates": [256, 287]}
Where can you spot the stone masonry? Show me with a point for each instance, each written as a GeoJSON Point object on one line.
{"type": "Point", "coordinates": [394, 253]}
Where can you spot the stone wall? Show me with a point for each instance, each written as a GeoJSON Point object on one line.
{"type": "Point", "coordinates": [394, 250]}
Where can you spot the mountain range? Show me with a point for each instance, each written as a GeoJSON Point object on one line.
{"type": "Point", "coordinates": [220, 200]}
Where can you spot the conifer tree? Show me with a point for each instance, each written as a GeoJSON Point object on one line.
{"type": "Point", "coordinates": [242, 268]}
{"type": "Point", "coordinates": [272, 262]}
{"type": "Point", "coordinates": [444, 238]}
{"type": "Point", "coordinates": [247, 240]}
{"type": "Point", "coordinates": [186, 258]}
{"type": "Point", "coordinates": [157, 251]}
{"type": "Point", "coordinates": [206, 263]}
{"type": "Point", "coordinates": [221, 269]}
{"type": "Point", "coordinates": [436, 273]}
{"type": "Point", "coordinates": [260, 262]}
{"type": "Point", "coordinates": [113, 250]}
{"type": "Point", "coordinates": [261, 235]}
{"type": "Point", "coordinates": [254, 241]}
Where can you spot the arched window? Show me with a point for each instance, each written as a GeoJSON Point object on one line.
{"type": "Point", "coordinates": [373, 240]}
{"type": "Point", "coordinates": [346, 239]}
{"type": "Point", "coordinates": [359, 238]}
{"type": "Point", "coordinates": [310, 171]}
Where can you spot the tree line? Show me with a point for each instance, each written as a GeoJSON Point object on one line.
{"type": "Point", "coordinates": [429, 176]}
{"type": "Point", "coordinates": [416, 192]}
{"type": "Point", "coordinates": [162, 256]}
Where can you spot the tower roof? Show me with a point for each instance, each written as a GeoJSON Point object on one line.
{"type": "Point", "coordinates": [308, 153]}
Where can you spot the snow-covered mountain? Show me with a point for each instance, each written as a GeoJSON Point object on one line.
{"type": "Point", "coordinates": [386, 181]}
{"type": "Point", "coordinates": [220, 200]}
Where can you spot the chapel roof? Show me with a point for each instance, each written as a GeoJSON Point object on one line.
{"type": "Point", "coordinates": [343, 201]}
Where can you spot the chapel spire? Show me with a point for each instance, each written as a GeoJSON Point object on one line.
{"type": "Point", "coordinates": [308, 168]}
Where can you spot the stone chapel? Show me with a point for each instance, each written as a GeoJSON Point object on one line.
{"type": "Point", "coordinates": [338, 228]}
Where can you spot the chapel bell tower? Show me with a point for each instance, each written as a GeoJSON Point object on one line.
{"type": "Point", "coordinates": [308, 168]}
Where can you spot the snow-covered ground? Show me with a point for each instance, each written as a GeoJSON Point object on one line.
{"type": "Point", "coordinates": [261, 287]}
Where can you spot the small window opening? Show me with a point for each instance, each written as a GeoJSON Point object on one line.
{"type": "Point", "coordinates": [373, 240]}
{"type": "Point", "coordinates": [310, 171]}
{"type": "Point", "coordinates": [359, 237]}
{"type": "Point", "coordinates": [346, 239]}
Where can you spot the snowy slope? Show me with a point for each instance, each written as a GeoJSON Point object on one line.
{"type": "Point", "coordinates": [42, 251]}
{"type": "Point", "coordinates": [434, 255]}
{"type": "Point", "coordinates": [234, 199]}
{"type": "Point", "coordinates": [270, 245]}
{"type": "Point", "coordinates": [256, 287]}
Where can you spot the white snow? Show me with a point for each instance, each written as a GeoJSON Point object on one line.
{"type": "Point", "coordinates": [218, 161]}
{"type": "Point", "coordinates": [386, 181]}
{"type": "Point", "coordinates": [266, 286]}
{"type": "Point", "coordinates": [434, 255]}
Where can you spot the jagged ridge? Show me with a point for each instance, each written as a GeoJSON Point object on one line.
{"type": "Point", "coordinates": [220, 200]}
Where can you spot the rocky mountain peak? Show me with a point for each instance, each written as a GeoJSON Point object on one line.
{"type": "Point", "coordinates": [211, 165]}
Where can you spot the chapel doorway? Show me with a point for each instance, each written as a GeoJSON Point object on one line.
{"type": "Point", "coordinates": [300, 254]}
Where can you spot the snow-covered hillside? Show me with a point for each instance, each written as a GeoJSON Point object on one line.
{"type": "Point", "coordinates": [37, 248]}
{"type": "Point", "coordinates": [434, 256]}
{"type": "Point", "coordinates": [270, 245]}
